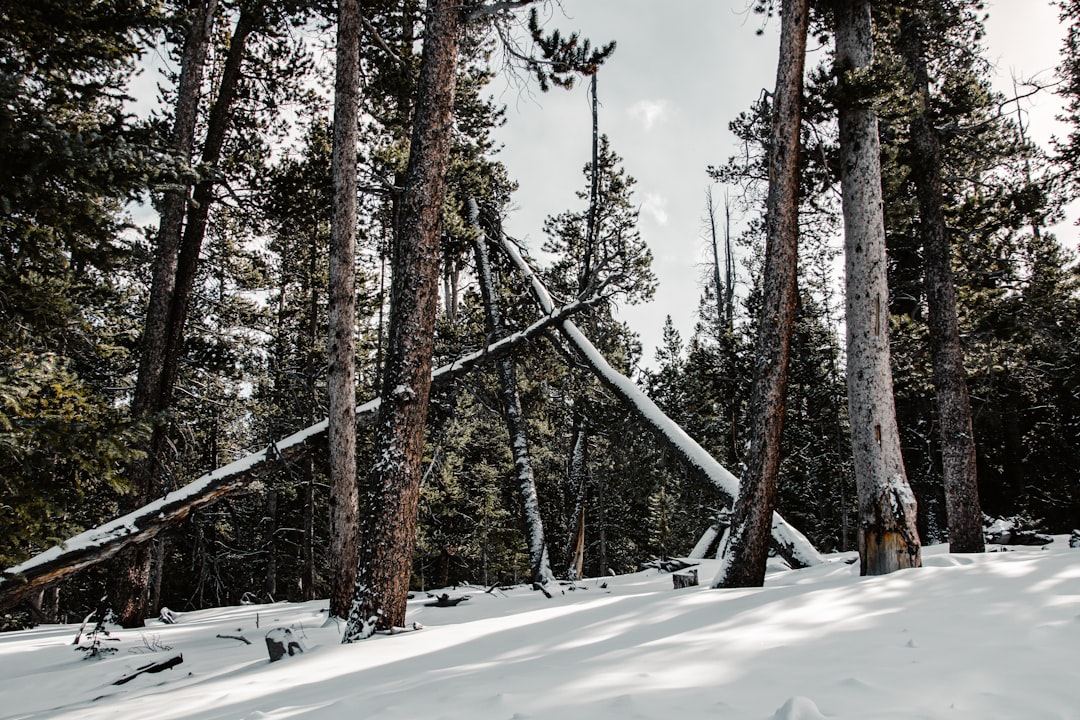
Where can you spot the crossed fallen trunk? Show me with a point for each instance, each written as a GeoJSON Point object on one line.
{"type": "Point", "coordinates": [103, 542]}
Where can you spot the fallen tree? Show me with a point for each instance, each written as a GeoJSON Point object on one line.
{"type": "Point", "coordinates": [96, 545]}
{"type": "Point", "coordinates": [789, 543]}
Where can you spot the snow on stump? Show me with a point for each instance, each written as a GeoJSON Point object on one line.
{"type": "Point", "coordinates": [684, 578]}
{"type": "Point", "coordinates": [280, 641]}
{"type": "Point", "coordinates": [1074, 539]}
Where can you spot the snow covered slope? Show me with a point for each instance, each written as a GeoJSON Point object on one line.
{"type": "Point", "coordinates": [991, 636]}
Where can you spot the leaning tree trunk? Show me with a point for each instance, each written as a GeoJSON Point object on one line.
{"type": "Point", "coordinates": [539, 563]}
{"type": "Point", "coordinates": [950, 379]}
{"type": "Point", "coordinates": [388, 536]}
{"type": "Point", "coordinates": [751, 528]}
{"type": "Point", "coordinates": [344, 500]}
{"type": "Point", "coordinates": [888, 539]}
{"type": "Point", "coordinates": [791, 544]}
{"type": "Point", "coordinates": [129, 585]}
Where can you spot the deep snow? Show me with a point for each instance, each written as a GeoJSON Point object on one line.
{"type": "Point", "coordinates": [988, 636]}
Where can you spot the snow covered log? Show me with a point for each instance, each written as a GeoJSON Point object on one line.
{"type": "Point", "coordinates": [97, 545]}
{"type": "Point", "coordinates": [791, 544]}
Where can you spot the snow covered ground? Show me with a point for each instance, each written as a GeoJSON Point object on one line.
{"type": "Point", "coordinates": [990, 636]}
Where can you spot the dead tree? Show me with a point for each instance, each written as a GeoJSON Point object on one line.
{"type": "Point", "coordinates": [539, 563]}
{"type": "Point", "coordinates": [788, 541]}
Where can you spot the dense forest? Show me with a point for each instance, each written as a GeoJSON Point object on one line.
{"type": "Point", "coordinates": [326, 229]}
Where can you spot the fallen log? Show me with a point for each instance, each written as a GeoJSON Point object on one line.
{"type": "Point", "coordinates": [791, 544]}
{"type": "Point", "coordinates": [154, 666]}
{"type": "Point", "coordinates": [98, 544]}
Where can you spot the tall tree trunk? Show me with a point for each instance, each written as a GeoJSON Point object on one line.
{"type": "Point", "coordinates": [130, 596]}
{"type": "Point", "coordinates": [888, 538]}
{"type": "Point", "coordinates": [129, 585]}
{"type": "Point", "coordinates": [341, 353]}
{"type": "Point", "coordinates": [950, 378]}
{"type": "Point", "coordinates": [388, 535]}
{"type": "Point", "coordinates": [751, 528]}
{"type": "Point", "coordinates": [539, 563]}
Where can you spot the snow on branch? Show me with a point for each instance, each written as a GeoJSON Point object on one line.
{"type": "Point", "coordinates": [789, 542]}
{"type": "Point", "coordinates": [97, 545]}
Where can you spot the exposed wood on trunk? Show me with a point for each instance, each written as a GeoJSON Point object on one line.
{"type": "Point", "coordinates": [888, 539]}
{"type": "Point", "coordinates": [341, 353]}
{"type": "Point", "coordinates": [104, 542]}
{"type": "Point", "coordinates": [388, 537]}
{"type": "Point", "coordinates": [950, 378]}
{"type": "Point", "coordinates": [539, 563]}
{"type": "Point", "coordinates": [788, 541]}
{"type": "Point", "coordinates": [748, 545]}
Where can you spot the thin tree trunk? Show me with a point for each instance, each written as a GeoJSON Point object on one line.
{"type": "Point", "coordinates": [950, 378]}
{"type": "Point", "coordinates": [888, 538]}
{"type": "Point", "coordinates": [714, 235]}
{"type": "Point", "coordinates": [586, 280]}
{"type": "Point", "coordinates": [578, 481]}
{"type": "Point", "coordinates": [269, 588]}
{"type": "Point", "coordinates": [749, 541]}
{"type": "Point", "coordinates": [341, 353]}
{"type": "Point", "coordinates": [388, 536]}
{"type": "Point", "coordinates": [539, 563]}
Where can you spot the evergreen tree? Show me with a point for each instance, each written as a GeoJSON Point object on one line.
{"type": "Point", "coordinates": [70, 159]}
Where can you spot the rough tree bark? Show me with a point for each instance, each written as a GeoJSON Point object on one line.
{"type": "Point", "coordinates": [539, 563]}
{"type": "Point", "coordinates": [341, 353]}
{"type": "Point", "coordinates": [950, 378]}
{"type": "Point", "coordinates": [888, 538]}
{"type": "Point", "coordinates": [749, 541]}
{"type": "Point", "coordinates": [129, 585]}
{"type": "Point", "coordinates": [388, 536]}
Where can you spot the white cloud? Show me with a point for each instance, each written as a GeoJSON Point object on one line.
{"type": "Point", "coordinates": [656, 206]}
{"type": "Point", "coordinates": [649, 112]}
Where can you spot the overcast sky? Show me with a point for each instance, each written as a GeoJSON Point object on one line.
{"type": "Point", "coordinates": [682, 70]}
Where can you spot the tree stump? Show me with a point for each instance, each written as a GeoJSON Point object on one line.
{"type": "Point", "coordinates": [684, 578]}
{"type": "Point", "coordinates": [280, 641]}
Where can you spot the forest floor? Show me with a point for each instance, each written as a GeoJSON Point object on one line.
{"type": "Point", "coordinates": [989, 636]}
